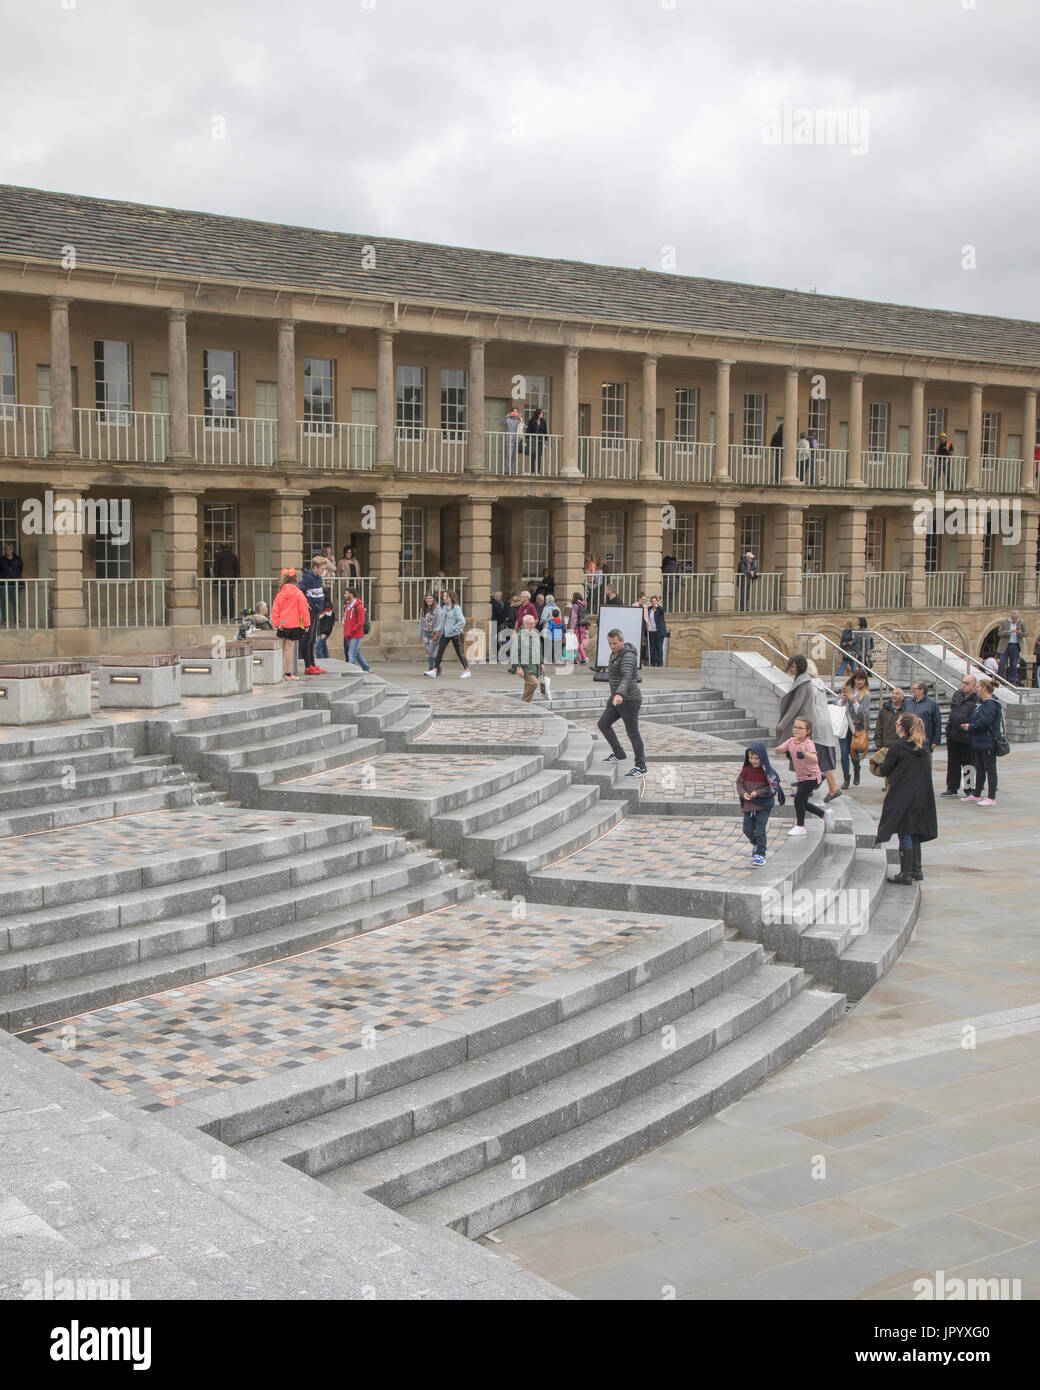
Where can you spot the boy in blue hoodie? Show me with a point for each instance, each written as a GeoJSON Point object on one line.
{"type": "Point", "coordinates": [758, 791]}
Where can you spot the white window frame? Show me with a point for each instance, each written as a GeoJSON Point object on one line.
{"type": "Point", "coordinates": [990, 434]}
{"type": "Point", "coordinates": [8, 374]}
{"type": "Point", "coordinates": [877, 427]}
{"type": "Point", "coordinates": [814, 544]}
{"type": "Point", "coordinates": [10, 522]}
{"type": "Point", "coordinates": [538, 394]}
{"type": "Point", "coordinates": [614, 405]}
{"type": "Point", "coordinates": [319, 406]}
{"type": "Point", "coordinates": [754, 436]}
{"type": "Point", "coordinates": [935, 425]}
{"type": "Point", "coordinates": [411, 401]}
{"type": "Point", "coordinates": [319, 528]}
{"type": "Point", "coordinates": [219, 527]}
{"type": "Point", "coordinates": [874, 544]}
{"type": "Point", "coordinates": [108, 379]}
{"type": "Point", "coordinates": [819, 419]}
{"type": "Point", "coordinates": [413, 535]}
{"type": "Point", "coordinates": [612, 525]}
{"type": "Point", "coordinates": [751, 533]}
{"type": "Point", "coordinates": [535, 541]}
{"type": "Point", "coordinates": [454, 402]}
{"type": "Point", "coordinates": [220, 413]}
{"type": "Point", "coordinates": [687, 414]}
{"type": "Point", "coordinates": [684, 546]}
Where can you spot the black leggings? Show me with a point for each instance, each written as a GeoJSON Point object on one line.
{"type": "Point", "coordinates": [442, 647]}
{"type": "Point", "coordinates": [307, 643]}
{"type": "Point", "coordinates": [803, 791]}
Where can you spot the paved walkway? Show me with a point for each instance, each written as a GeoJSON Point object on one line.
{"type": "Point", "coordinates": [907, 1142]}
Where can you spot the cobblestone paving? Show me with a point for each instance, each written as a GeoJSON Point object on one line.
{"type": "Point", "coordinates": [664, 740]}
{"type": "Point", "coordinates": [525, 730]}
{"type": "Point", "coordinates": [174, 1046]}
{"type": "Point", "coordinates": [127, 839]}
{"type": "Point", "coordinates": [404, 772]}
{"type": "Point", "coordinates": [691, 782]}
{"type": "Point", "coordinates": [665, 848]}
{"type": "Point", "coordinates": [448, 702]}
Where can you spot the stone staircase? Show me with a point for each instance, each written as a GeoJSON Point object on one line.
{"type": "Point", "coordinates": [704, 711]}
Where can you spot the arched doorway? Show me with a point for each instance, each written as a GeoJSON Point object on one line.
{"type": "Point", "coordinates": [988, 645]}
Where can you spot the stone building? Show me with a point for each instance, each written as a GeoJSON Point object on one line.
{"type": "Point", "coordinates": [276, 389]}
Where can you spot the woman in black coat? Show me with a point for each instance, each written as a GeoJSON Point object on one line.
{"type": "Point", "coordinates": [534, 439]}
{"type": "Point", "coordinates": [909, 806]}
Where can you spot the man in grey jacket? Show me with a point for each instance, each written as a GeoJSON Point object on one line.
{"type": "Point", "coordinates": [622, 673]}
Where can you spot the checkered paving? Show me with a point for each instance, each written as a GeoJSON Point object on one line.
{"type": "Point", "coordinates": [450, 702]}
{"type": "Point", "coordinates": [692, 782]}
{"type": "Point", "coordinates": [524, 730]}
{"type": "Point", "coordinates": [666, 740]}
{"type": "Point", "coordinates": [664, 849]}
{"type": "Point", "coordinates": [400, 772]}
{"type": "Point", "coordinates": [172, 1047]}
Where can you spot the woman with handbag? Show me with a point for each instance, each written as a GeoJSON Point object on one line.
{"type": "Point", "coordinates": [908, 810]}
{"type": "Point", "coordinates": [986, 728]}
{"type": "Point", "coordinates": [859, 718]}
{"type": "Point", "coordinates": [841, 722]}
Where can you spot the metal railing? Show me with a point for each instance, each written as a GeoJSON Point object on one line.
{"type": "Point", "coordinates": [885, 470]}
{"type": "Point", "coordinates": [822, 593]}
{"type": "Point", "coordinates": [122, 436]}
{"type": "Point", "coordinates": [1000, 588]}
{"type": "Point", "coordinates": [686, 593]}
{"type": "Point", "coordinates": [628, 586]}
{"type": "Point", "coordinates": [944, 589]}
{"type": "Point", "coordinates": [430, 451]}
{"type": "Point", "coordinates": [1000, 475]}
{"type": "Point", "coordinates": [24, 604]}
{"type": "Point", "coordinates": [530, 455]}
{"type": "Point", "coordinates": [608, 457]}
{"type": "Point", "coordinates": [25, 431]}
{"type": "Point", "coordinates": [755, 464]}
{"type": "Point", "coordinates": [682, 461]}
{"type": "Point", "coordinates": [221, 601]}
{"type": "Point", "coordinates": [124, 602]}
{"type": "Point", "coordinates": [415, 588]}
{"type": "Point", "coordinates": [335, 445]}
{"type": "Point", "coordinates": [746, 637]}
{"type": "Point", "coordinates": [884, 589]}
{"type": "Point", "coordinates": [974, 664]}
{"type": "Point", "coordinates": [820, 648]}
{"type": "Point", "coordinates": [826, 468]}
{"type": "Point", "coordinates": [762, 595]}
{"type": "Point", "coordinates": [233, 440]}
{"type": "Point", "coordinates": [946, 474]}
{"type": "Point", "coordinates": [891, 647]}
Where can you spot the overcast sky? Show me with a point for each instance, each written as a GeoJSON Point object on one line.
{"type": "Point", "coordinates": [600, 130]}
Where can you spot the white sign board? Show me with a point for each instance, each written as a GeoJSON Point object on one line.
{"type": "Point", "coordinates": [630, 623]}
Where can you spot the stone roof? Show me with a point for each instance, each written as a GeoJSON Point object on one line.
{"type": "Point", "coordinates": [171, 241]}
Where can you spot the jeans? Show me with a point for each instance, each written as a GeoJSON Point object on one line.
{"type": "Point", "coordinates": [986, 767]}
{"type": "Point", "coordinates": [845, 747]}
{"type": "Point", "coordinates": [352, 653]}
{"type": "Point", "coordinates": [656, 640]}
{"type": "Point", "coordinates": [442, 647]}
{"type": "Point", "coordinates": [755, 823]}
{"type": "Point", "coordinates": [802, 803]}
{"type": "Point", "coordinates": [628, 713]}
{"type": "Point", "coordinates": [307, 642]}
{"type": "Point", "coordinates": [510, 464]}
{"type": "Point", "coordinates": [846, 661]}
{"type": "Point", "coordinates": [1009, 658]}
{"type": "Point", "coordinates": [321, 647]}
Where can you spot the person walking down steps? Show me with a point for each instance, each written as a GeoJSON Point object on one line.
{"type": "Point", "coordinates": [806, 763]}
{"type": "Point", "coordinates": [622, 674]}
{"type": "Point", "coordinates": [758, 791]}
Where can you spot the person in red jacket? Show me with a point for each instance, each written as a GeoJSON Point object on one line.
{"type": "Point", "coordinates": [354, 624]}
{"type": "Point", "coordinates": [291, 617]}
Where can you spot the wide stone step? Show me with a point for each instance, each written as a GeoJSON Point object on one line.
{"type": "Point", "coordinates": [246, 784]}
{"type": "Point", "coordinates": [34, 821]}
{"type": "Point", "coordinates": [16, 770]}
{"type": "Point", "coordinates": [86, 786]}
{"type": "Point", "coordinates": [869, 958]}
{"type": "Point", "coordinates": [230, 716]}
{"type": "Point", "coordinates": [478, 1203]}
{"type": "Point", "coordinates": [319, 737]}
{"type": "Point", "coordinates": [449, 831]}
{"type": "Point", "coordinates": [189, 747]}
{"type": "Point", "coordinates": [482, 849]}
{"type": "Point", "coordinates": [72, 740]}
{"type": "Point", "coordinates": [513, 875]}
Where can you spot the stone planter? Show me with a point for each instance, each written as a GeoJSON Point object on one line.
{"type": "Point", "coordinates": [204, 673]}
{"type": "Point", "coordinates": [141, 681]}
{"type": "Point", "coordinates": [44, 692]}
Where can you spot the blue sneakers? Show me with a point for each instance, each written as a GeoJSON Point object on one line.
{"type": "Point", "coordinates": [758, 860]}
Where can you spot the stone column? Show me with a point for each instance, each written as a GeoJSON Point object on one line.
{"type": "Point", "coordinates": [568, 549]}
{"type": "Point", "coordinates": [1025, 558]}
{"type": "Point", "coordinates": [969, 558]}
{"type": "Point", "coordinates": [386, 399]}
{"type": "Point", "coordinates": [181, 556]}
{"type": "Point", "coordinates": [789, 454]}
{"type": "Point", "coordinates": [910, 555]}
{"type": "Point", "coordinates": [62, 436]}
{"type": "Point", "coordinates": [287, 531]}
{"type": "Point", "coordinates": [65, 565]}
{"type": "Point", "coordinates": [1028, 439]}
{"type": "Point", "coordinates": [854, 473]}
{"type": "Point", "coordinates": [788, 550]}
{"type": "Point", "coordinates": [852, 549]}
{"type": "Point", "coordinates": [975, 436]}
{"type": "Point", "coordinates": [722, 385]}
{"type": "Point", "coordinates": [286, 391]}
{"type": "Point", "coordinates": [177, 367]}
{"type": "Point", "coordinates": [475, 461]}
{"type": "Point", "coordinates": [570, 413]}
{"type": "Point", "coordinates": [915, 478]}
{"type": "Point", "coordinates": [648, 445]}
{"type": "Point", "coordinates": [475, 556]}
{"type": "Point", "coordinates": [385, 556]}
{"type": "Point", "coordinates": [721, 555]}
{"type": "Point", "coordinates": [647, 544]}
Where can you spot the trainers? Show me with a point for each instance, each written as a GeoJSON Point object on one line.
{"type": "Point", "coordinates": [464, 675]}
{"type": "Point", "coordinates": [970, 797]}
{"type": "Point", "coordinates": [636, 771]}
{"type": "Point", "coordinates": [947, 793]}
{"type": "Point", "coordinates": [431, 674]}
{"type": "Point", "coordinates": [615, 758]}
{"type": "Point", "coordinates": [797, 830]}
{"type": "Point", "coordinates": [758, 860]}
{"type": "Point", "coordinates": [321, 670]}
{"type": "Point", "coordinates": [311, 671]}
{"type": "Point", "coordinates": [988, 801]}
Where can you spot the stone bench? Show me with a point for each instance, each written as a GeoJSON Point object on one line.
{"type": "Point", "coordinates": [140, 681]}
{"type": "Point", "coordinates": [222, 669]}
{"type": "Point", "coordinates": [43, 692]}
{"type": "Point", "coordinates": [268, 659]}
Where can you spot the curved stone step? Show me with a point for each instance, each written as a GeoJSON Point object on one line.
{"type": "Point", "coordinates": [448, 831]}
{"type": "Point", "coordinates": [84, 786]}
{"type": "Point", "coordinates": [103, 759]}
{"type": "Point", "coordinates": [513, 874]}
{"type": "Point", "coordinates": [32, 821]}
{"type": "Point", "coordinates": [482, 850]}
{"type": "Point", "coordinates": [246, 784]}
{"type": "Point", "coordinates": [188, 748]}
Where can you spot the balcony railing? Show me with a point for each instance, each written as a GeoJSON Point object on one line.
{"type": "Point", "coordinates": [530, 455]}
{"type": "Point", "coordinates": [608, 457]}
{"type": "Point", "coordinates": [430, 451]}
{"type": "Point", "coordinates": [755, 464]}
{"type": "Point", "coordinates": [335, 445]}
{"type": "Point", "coordinates": [121, 436]}
{"type": "Point", "coordinates": [1000, 475]}
{"type": "Point", "coordinates": [25, 431]}
{"type": "Point", "coordinates": [1000, 589]}
{"type": "Point", "coordinates": [827, 468]}
{"type": "Point", "coordinates": [824, 593]}
{"type": "Point", "coordinates": [686, 593]}
{"type": "Point", "coordinates": [944, 589]}
{"type": "Point", "coordinates": [681, 461]}
{"type": "Point", "coordinates": [124, 602]}
{"type": "Point", "coordinates": [762, 595]}
{"type": "Point", "coordinates": [885, 470]}
{"type": "Point", "coordinates": [885, 588]}
{"type": "Point", "coordinates": [628, 586]}
{"type": "Point", "coordinates": [415, 588]}
{"type": "Point", "coordinates": [221, 601]}
{"type": "Point", "coordinates": [948, 474]}
{"type": "Point", "coordinates": [24, 604]}
{"type": "Point", "coordinates": [233, 440]}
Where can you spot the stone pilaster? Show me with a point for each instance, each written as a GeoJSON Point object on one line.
{"type": "Point", "coordinates": [177, 367]}
{"type": "Point", "coordinates": [854, 473]}
{"type": "Point", "coordinates": [475, 461]}
{"type": "Point", "coordinates": [181, 557]}
{"type": "Point", "coordinates": [287, 531]}
{"type": "Point", "coordinates": [721, 556]}
{"type": "Point", "coordinates": [722, 387]}
{"type": "Point", "coordinates": [61, 381]}
{"type": "Point", "coordinates": [910, 555]}
{"type": "Point", "coordinates": [386, 399]}
{"type": "Point", "coordinates": [647, 544]}
{"type": "Point", "coordinates": [568, 542]}
{"type": "Point", "coordinates": [975, 436]}
{"type": "Point", "coordinates": [1024, 558]}
{"type": "Point", "coordinates": [969, 558]}
{"type": "Point", "coordinates": [1028, 439]}
{"type": "Point", "coordinates": [570, 413]}
{"type": "Point", "coordinates": [385, 557]}
{"type": "Point", "coordinates": [852, 548]}
{"type": "Point", "coordinates": [65, 565]}
{"type": "Point", "coordinates": [788, 542]}
{"type": "Point", "coordinates": [789, 453]}
{"type": "Point", "coordinates": [648, 444]}
{"type": "Point", "coordinates": [915, 478]}
{"type": "Point", "coordinates": [475, 556]}
{"type": "Point", "coordinates": [287, 392]}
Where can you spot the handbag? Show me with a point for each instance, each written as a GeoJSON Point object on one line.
{"type": "Point", "coordinates": [876, 759]}
{"type": "Point", "coordinates": [860, 741]}
{"type": "Point", "coordinates": [1001, 746]}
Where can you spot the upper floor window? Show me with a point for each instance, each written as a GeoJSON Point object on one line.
{"type": "Point", "coordinates": [819, 419]}
{"type": "Point", "coordinates": [453, 403]}
{"type": "Point", "coordinates": [687, 402]}
{"type": "Point", "coordinates": [813, 545]}
{"type": "Point", "coordinates": [754, 419]}
{"type": "Point", "coordinates": [874, 545]}
{"type": "Point", "coordinates": [8, 375]}
{"type": "Point", "coordinates": [112, 381]}
{"type": "Point", "coordinates": [319, 394]}
{"type": "Point", "coordinates": [318, 528]}
{"type": "Point", "coordinates": [411, 400]}
{"type": "Point", "coordinates": [751, 534]}
{"type": "Point", "coordinates": [220, 388]}
{"type": "Point", "coordinates": [877, 427]}
{"type": "Point", "coordinates": [536, 394]}
{"type": "Point", "coordinates": [936, 426]}
{"type": "Point", "coordinates": [990, 434]}
{"type": "Point", "coordinates": [613, 410]}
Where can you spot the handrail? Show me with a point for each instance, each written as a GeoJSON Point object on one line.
{"type": "Point", "coordinates": [754, 637]}
{"type": "Point", "coordinates": [847, 656]}
{"type": "Point", "coordinates": [916, 661]}
{"type": "Point", "coordinates": [964, 656]}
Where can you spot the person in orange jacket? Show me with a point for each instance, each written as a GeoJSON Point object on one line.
{"type": "Point", "coordinates": [291, 617]}
{"type": "Point", "coordinates": [355, 625]}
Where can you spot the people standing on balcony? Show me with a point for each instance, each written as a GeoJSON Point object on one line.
{"type": "Point", "coordinates": [355, 626]}
{"type": "Point", "coordinates": [610, 598]}
{"type": "Point", "coordinates": [451, 625]}
{"type": "Point", "coordinates": [863, 645]}
{"type": "Point", "coordinates": [908, 810]}
{"type": "Point", "coordinates": [776, 444]}
{"type": "Point", "coordinates": [959, 752]}
{"type": "Point", "coordinates": [513, 425]}
{"type": "Point", "coordinates": [943, 450]}
{"type": "Point", "coordinates": [669, 568]}
{"type": "Point", "coordinates": [545, 586]}
{"type": "Point", "coordinates": [314, 593]}
{"type": "Point", "coordinates": [1012, 640]}
{"type": "Point", "coordinates": [927, 710]}
{"type": "Point", "coordinates": [807, 699]}
{"type": "Point", "coordinates": [11, 568]}
{"type": "Point", "coordinates": [803, 456]}
{"type": "Point", "coordinates": [291, 616]}
{"type": "Point", "coordinates": [534, 439]}
{"type": "Point", "coordinates": [985, 724]}
{"type": "Point", "coordinates": [624, 702]}
{"type": "Point", "coordinates": [348, 566]}
{"type": "Point", "coordinates": [814, 445]}
{"type": "Point", "coordinates": [226, 571]}
{"type": "Point", "coordinates": [429, 629]}
{"type": "Point", "coordinates": [527, 659]}
{"type": "Point", "coordinates": [747, 573]}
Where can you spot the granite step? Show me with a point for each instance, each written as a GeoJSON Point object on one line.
{"type": "Point", "coordinates": [33, 821]}
{"type": "Point", "coordinates": [82, 786]}
{"type": "Point", "coordinates": [247, 783]}
{"type": "Point", "coordinates": [188, 748]}
{"type": "Point", "coordinates": [448, 831]}
{"type": "Point", "coordinates": [513, 874]}
{"type": "Point", "coordinates": [73, 740]}
{"type": "Point", "coordinates": [482, 849]}
{"type": "Point", "coordinates": [104, 759]}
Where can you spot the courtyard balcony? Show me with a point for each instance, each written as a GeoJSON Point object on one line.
{"type": "Point", "coordinates": [530, 455]}
{"type": "Point", "coordinates": [610, 457]}
{"type": "Point", "coordinates": [944, 589]}
{"type": "Point", "coordinates": [683, 461]}
{"type": "Point", "coordinates": [419, 450]}
{"type": "Point", "coordinates": [335, 445]}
